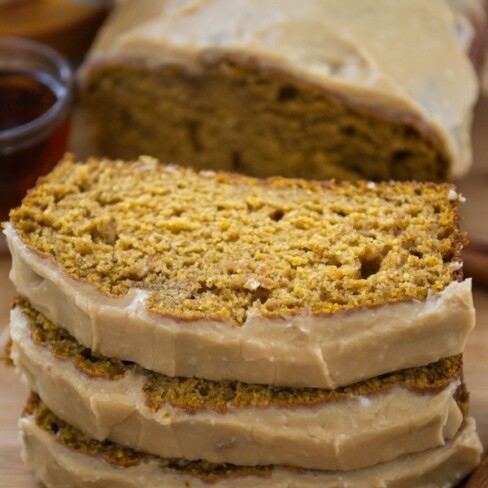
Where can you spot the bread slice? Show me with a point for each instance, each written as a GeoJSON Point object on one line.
{"type": "Point", "coordinates": [232, 422]}
{"type": "Point", "coordinates": [62, 456]}
{"type": "Point", "coordinates": [312, 89]}
{"type": "Point", "coordinates": [220, 276]}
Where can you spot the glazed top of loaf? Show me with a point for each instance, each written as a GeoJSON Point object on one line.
{"type": "Point", "coordinates": [400, 58]}
{"type": "Point", "coordinates": [220, 246]}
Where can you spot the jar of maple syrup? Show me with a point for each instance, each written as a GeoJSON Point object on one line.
{"type": "Point", "coordinates": [35, 100]}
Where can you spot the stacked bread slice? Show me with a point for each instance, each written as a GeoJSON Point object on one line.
{"type": "Point", "coordinates": [180, 328]}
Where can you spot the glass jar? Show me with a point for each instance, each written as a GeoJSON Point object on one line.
{"type": "Point", "coordinates": [35, 102]}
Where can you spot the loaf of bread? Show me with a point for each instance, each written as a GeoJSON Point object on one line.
{"type": "Point", "coordinates": [316, 89]}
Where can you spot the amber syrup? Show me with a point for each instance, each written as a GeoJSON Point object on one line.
{"type": "Point", "coordinates": [25, 96]}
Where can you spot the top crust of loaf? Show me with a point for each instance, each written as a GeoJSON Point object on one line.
{"type": "Point", "coordinates": [221, 246]}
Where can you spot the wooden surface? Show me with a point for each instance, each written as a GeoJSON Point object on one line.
{"type": "Point", "coordinates": [12, 394]}
{"type": "Point", "coordinates": [479, 478]}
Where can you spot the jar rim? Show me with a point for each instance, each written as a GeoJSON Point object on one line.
{"type": "Point", "coordinates": [63, 77]}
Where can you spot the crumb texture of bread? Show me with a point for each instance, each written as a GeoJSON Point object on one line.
{"type": "Point", "coordinates": [222, 246]}
{"type": "Point", "coordinates": [296, 130]}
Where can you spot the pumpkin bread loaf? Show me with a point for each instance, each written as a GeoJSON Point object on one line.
{"type": "Point", "coordinates": [313, 89]}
